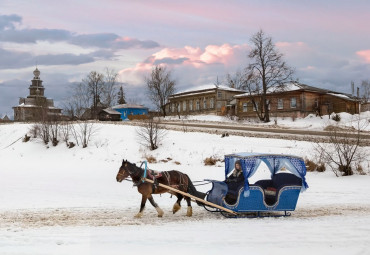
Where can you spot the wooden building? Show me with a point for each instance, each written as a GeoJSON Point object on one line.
{"type": "Point", "coordinates": [109, 115]}
{"type": "Point", "coordinates": [208, 99]}
{"type": "Point", "coordinates": [36, 106]}
{"type": "Point", "coordinates": [297, 100]}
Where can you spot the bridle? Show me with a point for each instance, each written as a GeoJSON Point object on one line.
{"type": "Point", "coordinates": [132, 173]}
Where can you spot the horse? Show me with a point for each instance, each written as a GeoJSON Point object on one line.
{"type": "Point", "coordinates": [173, 178]}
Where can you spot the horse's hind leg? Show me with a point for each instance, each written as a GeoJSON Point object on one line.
{"type": "Point", "coordinates": [177, 205]}
{"type": "Point", "coordinates": [189, 212]}
{"type": "Point", "coordinates": [159, 210]}
{"type": "Point", "coordinates": [142, 206]}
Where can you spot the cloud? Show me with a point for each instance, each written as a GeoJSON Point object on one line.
{"type": "Point", "coordinates": [364, 54]}
{"type": "Point", "coordinates": [170, 61]}
{"type": "Point", "coordinates": [9, 33]}
{"type": "Point", "coordinates": [7, 21]}
{"type": "Point", "coordinates": [191, 65]}
{"type": "Point", "coordinates": [12, 59]}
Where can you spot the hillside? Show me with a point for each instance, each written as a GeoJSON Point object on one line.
{"type": "Point", "coordinates": [68, 201]}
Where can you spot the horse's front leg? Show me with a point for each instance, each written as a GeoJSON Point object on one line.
{"type": "Point", "coordinates": [177, 205]}
{"type": "Point", "coordinates": [159, 210]}
{"type": "Point", "coordinates": [142, 206]}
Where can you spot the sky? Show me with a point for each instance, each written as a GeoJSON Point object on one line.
{"type": "Point", "coordinates": [326, 42]}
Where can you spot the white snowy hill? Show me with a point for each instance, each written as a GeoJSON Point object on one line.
{"type": "Point", "coordinates": [56, 200]}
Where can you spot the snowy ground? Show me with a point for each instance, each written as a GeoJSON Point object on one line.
{"type": "Point", "coordinates": [66, 201]}
{"type": "Point", "coordinates": [311, 122]}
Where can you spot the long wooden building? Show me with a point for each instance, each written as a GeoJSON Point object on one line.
{"type": "Point", "coordinates": [297, 100]}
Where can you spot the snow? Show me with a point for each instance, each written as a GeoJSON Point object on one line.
{"type": "Point", "coordinates": [56, 200]}
{"type": "Point", "coordinates": [207, 87]}
{"type": "Point", "coordinates": [311, 122]}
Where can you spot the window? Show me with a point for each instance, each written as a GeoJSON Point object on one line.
{"type": "Point", "coordinates": [219, 94]}
{"type": "Point", "coordinates": [197, 105]}
{"type": "Point", "coordinates": [212, 103]}
{"type": "Point", "coordinates": [184, 106]}
{"type": "Point", "coordinates": [173, 107]}
{"type": "Point", "coordinates": [204, 103]}
{"type": "Point", "coordinates": [191, 105]}
{"type": "Point", "coordinates": [178, 106]}
{"type": "Point", "coordinates": [245, 107]}
{"type": "Point", "coordinates": [280, 103]}
{"type": "Point", "coordinates": [268, 104]}
{"type": "Point", "coordinates": [293, 102]}
{"type": "Point", "coordinates": [316, 103]}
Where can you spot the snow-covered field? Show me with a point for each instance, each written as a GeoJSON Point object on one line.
{"type": "Point", "coordinates": [311, 122]}
{"type": "Point", "coordinates": [66, 201]}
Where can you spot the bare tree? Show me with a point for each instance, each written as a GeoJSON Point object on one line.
{"type": "Point", "coordinates": [160, 87]}
{"type": "Point", "coordinates": [236, 81]}
{"type": "Point", "coordinates": [77, 102]}
{"type": "Point", "coordinates": [266, 71]}
{"type": "Point", "coordinates": [365, 86]}
{"type": "Point", "coordinates": [151, 133]}
{"type": "Point", "coordinates": [94, 83]}
{"type": "Point", "coordinates": [82, 132]}
{"type": "Point", "coordinates": [344, 151]}
{"type": "Point", "coordinates": [109, 93]}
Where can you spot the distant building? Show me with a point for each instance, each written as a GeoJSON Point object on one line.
{"type": "Point", "coordinates": [5, 119]}
{"type": "Point", "coordinates": [207, 99]}
{"type": "Point", "coordinates": [109, 115]}
{"type": "Point", "coordinates": [128, 110]}
{"type": "Point", "coordinates": [36, 106]}
{"type": "Point", "coordinates": [298, 100]}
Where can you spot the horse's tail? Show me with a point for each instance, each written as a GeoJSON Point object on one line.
{"type": "Point", "coordinates": [193, 191]}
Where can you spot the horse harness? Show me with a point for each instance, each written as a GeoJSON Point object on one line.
{"type": "Point", "coordinates": [154, 175]}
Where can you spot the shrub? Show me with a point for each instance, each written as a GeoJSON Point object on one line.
{"type": "Point", "coordinates": [151, 159]}
{"type": "Point", "coordinates": [312, 166]}
{"type": "Point", "coordinates": [210, 161]}
{"type": "Point", "coordinates": [321, 168]}
{"type": "Point", "coordinates": [26, 138]}
{"type": "Point", "coordinates": [336, 117]}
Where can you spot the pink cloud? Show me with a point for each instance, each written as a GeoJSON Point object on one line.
{"type": "Point", "coordinates": [365, 54]}
{"type": "Point", "coordinates": [229, 57]}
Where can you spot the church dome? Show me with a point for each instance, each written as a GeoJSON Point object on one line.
{"type": "Point", "coordinates": [36, 73]}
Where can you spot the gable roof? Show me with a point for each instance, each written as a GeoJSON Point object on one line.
{"type": "Point", "coordinates": [111, 111]}
{"type": "Point", "coordinates": [125, 106]}
{"type": "Point", "coordinates": [204, 89]}
{"type": "Point", "coordinates": [295, 86]}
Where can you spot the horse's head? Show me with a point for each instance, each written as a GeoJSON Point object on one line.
{"type": "Point", "coordinates": [124, 171]}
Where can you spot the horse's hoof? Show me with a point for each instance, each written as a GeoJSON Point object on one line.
{"type": "Point", "coordinates": [176, 208]}
{"type": "Point", "coordinates": [160, 212]}
{"type": "Point", "coordinates": [138, 216]}
{"type": "Point", "coordinates": [189, 213]}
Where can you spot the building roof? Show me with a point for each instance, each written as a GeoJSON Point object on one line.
{"type": "Point", "coordinates": [125, 106]}
{"type": "Point", "coordinates": [204, 89]}
{"type": "Point", "coordinates": [295, 86]}
{"type": "Point", "coordinates": [111, 111]}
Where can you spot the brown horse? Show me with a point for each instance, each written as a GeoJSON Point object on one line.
{"type": "Point", "coordinates": [172, 178]}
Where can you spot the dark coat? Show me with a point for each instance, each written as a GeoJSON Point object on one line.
{"type": "Point", "coordinates": [235, 182]}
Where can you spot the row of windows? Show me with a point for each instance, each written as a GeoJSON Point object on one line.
{"type": "Point", "coordinates": [280, 104]}
{"type": "Point", "coordinates": [182, 106]}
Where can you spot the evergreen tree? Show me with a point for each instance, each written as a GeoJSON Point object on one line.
{"type": "Point", "coordinates": [121, 96]}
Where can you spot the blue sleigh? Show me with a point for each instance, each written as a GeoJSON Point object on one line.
{"type": "Point", "coordinates": [265, 197]}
